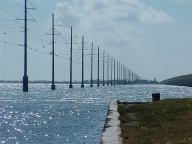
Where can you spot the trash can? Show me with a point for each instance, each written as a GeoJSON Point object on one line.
{"type": "Point", "coordinates": [156, 97]}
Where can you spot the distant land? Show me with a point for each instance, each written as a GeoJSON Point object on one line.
{"type": "Point", "coordinates": [184, 80]}
{"type": "Point", "coordinates": [79, 82]}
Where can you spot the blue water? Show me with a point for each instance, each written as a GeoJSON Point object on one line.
{"type": "Point", "coordinates": [66, 116]}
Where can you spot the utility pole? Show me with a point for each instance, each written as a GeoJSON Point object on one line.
{"type": "Point", "coordinates": [114, 72]}
{"type": "Point", "coordinates": [71, 58]}
{"type": "Point", "coordinates": [125, 75]}
{"type": "Point", "coordinates": [129, 76]}
{"type": "Point", "coordinates": [53, 54]}
{"type": "Point", "coordinates": [108, 71]}
{"type": "Point", "coordinates": [103, 68]}
{"type": "Point", "coordinates": [25, 77]}
{"type": "Point", "coordinates": [121, 74]}
{"type": "Point", "coordinates": [82, 83]}
{"type": "Point", "coordinates": [98, 69]}
{"type": "Point", "coordinates": [111, 71]}
{"type": "Point", "coordinates": [117, 73]}
{"type": "Point", "coordinates": [133, 78]}
{"type": "Point", "coordinates": [91, 65]}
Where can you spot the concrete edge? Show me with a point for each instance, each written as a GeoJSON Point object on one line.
{"type": "Point", "coordinates": [111, 133]}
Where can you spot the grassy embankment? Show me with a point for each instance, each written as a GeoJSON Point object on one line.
{"type": "Point", "coordinates": [163, 122]}
{"type": "Point", "coordinates": [184, 80]}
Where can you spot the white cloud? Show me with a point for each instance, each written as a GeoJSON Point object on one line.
{"type": "Point", "coordinates": [67, 14]}
{"type": "Point", "coordinates": [110, 22]}
{"type": "Point", "coordinates": [151, 15]}
{"type": "Point", "coordinates": [110, 10]}
{"type": "Point", "coordinates": [181, 2]}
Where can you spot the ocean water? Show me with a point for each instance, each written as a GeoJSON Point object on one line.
{"type": "Point", "coordinates": [66, 116]}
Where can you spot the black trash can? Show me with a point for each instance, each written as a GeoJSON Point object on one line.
{"type": "Point", "coordinates": [156, 97]}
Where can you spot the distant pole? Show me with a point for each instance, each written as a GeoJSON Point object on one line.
{"type": "Point", "coordinates": [117, 73]}
{"type": "Point", "coordinates": [25, 77]}
{"type": "Point", "coordinates": [108, 71]}
{"type": "Point", "coordinates": [53, 54]}
{"type": "Point", "coordinates": [103, 68]}
{"type": "Point", "coordinates": [111, 71]}
{"type": "Point", "coordinates": [91, 65]}
{"type": "Point", "coordinates": [125, 75]}
{"type": "Point", "coordinates": [121, 74]}
{"type": "Point", "coordinates": [82, 83]}
{"type": "Point", "coordinates": [131, 80]}
{"type": "Point", "coordinates": [114, 72]}
{"type": "Point", "coordinates": [71, 58]}
{"type": "Point", "coordinates": [133, 77]}
{"type": "Point", "coordinates": [129, 76]}
{"type": "Point", "coordinates": [98, 69]}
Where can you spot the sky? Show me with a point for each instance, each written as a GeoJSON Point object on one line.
{"type": "Point", "coordinates": [152, 38]}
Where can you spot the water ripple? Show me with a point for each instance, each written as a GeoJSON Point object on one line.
{"type": "Point", "coordinates": [70, 116]}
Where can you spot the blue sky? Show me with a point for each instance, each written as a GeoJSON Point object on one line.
{"type": "Point", "coordinates": [151, 37]}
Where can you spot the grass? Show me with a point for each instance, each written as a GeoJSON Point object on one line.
{"type": "Point", "coordinates": [163, 122]}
